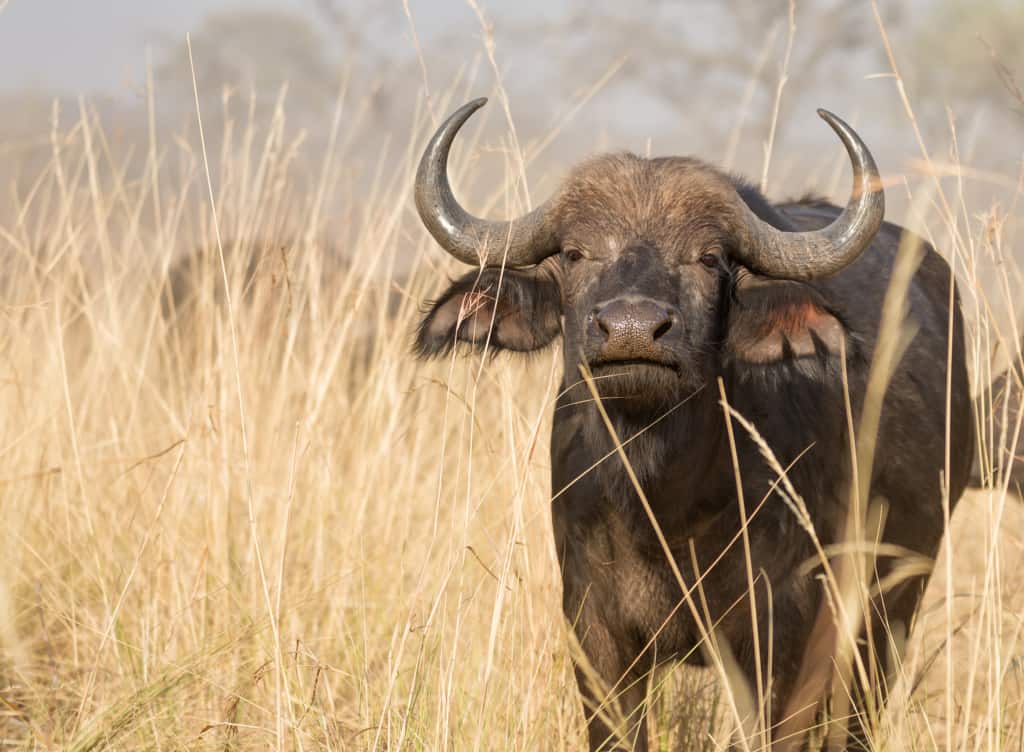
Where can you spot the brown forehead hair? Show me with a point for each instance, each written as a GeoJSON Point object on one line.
{"type": "Point", "coordinates": [664, 201]}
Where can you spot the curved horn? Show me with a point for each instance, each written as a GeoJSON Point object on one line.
{"type": "Point", "coordinates": [820, 253]}
{"type": "Point", "coordinates": [519, 242]}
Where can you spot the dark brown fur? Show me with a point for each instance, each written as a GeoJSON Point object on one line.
{"type": "Point", "coordinates": [665, 230]}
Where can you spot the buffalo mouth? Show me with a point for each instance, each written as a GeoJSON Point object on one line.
{"type": "Point", "coordinates": [639, 383]}
{"type": "Point", "coordinates": [634, 363]}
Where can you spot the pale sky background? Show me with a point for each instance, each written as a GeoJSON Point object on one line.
{"type": "Point", "coordinates": [79, 47]}
{"type": "Point", "coordinates": [84, 46]}
{"type": "Point", "coordinates": [88, 46]}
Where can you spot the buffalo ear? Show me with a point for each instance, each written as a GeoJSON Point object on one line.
{"type": "Point", "coordinates": [525, 309]}
{"type": "Point", "coordinates": [773, 320]}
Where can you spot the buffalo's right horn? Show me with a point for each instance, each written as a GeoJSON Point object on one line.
{"type": "Point", "coordinates": [519, 242]}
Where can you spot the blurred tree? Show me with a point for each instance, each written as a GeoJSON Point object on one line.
{"type": "Point", "coordinates": [255, 52]}
{"type": "Point", "coordinates": [361, 27]}
{"type": "Point", "coordinates": [709, 40]}
{"type": "Point", "coordinates": [690, 68]}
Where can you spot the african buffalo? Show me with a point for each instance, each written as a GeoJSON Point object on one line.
{"type": "Point", "coordinates": [664, 278]}
{"type": "Point", "coordinates": [194, 277]}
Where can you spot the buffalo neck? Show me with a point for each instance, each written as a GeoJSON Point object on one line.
{"type": "Point", "coordinates": [678, 452]}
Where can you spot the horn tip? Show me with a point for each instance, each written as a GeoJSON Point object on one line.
{"type": "Point", "coordinates": [465, 112]}
{"type": "Point", "coordinates": [828, 117]}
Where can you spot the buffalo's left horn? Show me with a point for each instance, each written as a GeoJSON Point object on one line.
{"type": "Point", "coordinates": [820, 253]}
{"type": "Point", "coordinates": [520, 242]}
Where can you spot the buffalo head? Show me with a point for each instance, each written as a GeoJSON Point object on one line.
{"type": "Point", "coordinates": [633, 261]}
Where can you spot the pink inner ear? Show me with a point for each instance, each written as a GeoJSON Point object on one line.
{"type": "Point", "coordinates": [795, 324]}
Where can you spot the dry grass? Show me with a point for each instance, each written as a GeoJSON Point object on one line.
{"type": "Point", "coordinates": [251, 520]}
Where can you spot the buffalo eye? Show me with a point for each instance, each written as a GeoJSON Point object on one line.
{"type": "Point", "coordinates": [710, 260]}
{"type": "Point", "coordinates": [572, 254]}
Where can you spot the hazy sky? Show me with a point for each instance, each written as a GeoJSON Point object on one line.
{"type": "Point", "coordinates": [79, 46]}
{"type": "Point", "coordinates": [89, 46]}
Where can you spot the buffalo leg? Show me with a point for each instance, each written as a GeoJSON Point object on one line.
{"type": "Point", "coordinates": [602, 712]}
{"type": "Point", "coordinates": [612, 684]}
{"type": "Point", "coordinates": [785, 665]}
{"type": "Point", "coordinates": [890, 623]}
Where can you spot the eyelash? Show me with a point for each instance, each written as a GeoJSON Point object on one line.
{"type": "Point", "coordinates": [710, 260]}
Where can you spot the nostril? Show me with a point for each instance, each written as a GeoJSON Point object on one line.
{"type": "Point", "coordinates": [662, 328]}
